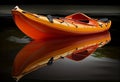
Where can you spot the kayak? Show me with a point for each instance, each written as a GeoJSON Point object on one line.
{"type": "Point", "coordinates": [45, 26]}
{"type": "Point", "coordinates": [40, 53]}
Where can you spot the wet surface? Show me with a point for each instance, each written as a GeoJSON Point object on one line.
{"type": "Point", "coordinates": [103, 64]}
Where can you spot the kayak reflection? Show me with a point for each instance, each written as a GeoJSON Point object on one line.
{"type": "Point", "coordinates": [41, 53]}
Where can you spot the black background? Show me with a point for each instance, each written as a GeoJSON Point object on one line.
{"type": "Point", "coordinates": [59, 2]}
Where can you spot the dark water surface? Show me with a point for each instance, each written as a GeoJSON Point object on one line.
{"type": "Point", "coordinates": [103, 64]}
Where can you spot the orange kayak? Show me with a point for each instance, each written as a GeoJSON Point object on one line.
{"type": "Point", "coordinates": [41, 26]}
{"type": "Point", "coordinates": [40, 53]}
